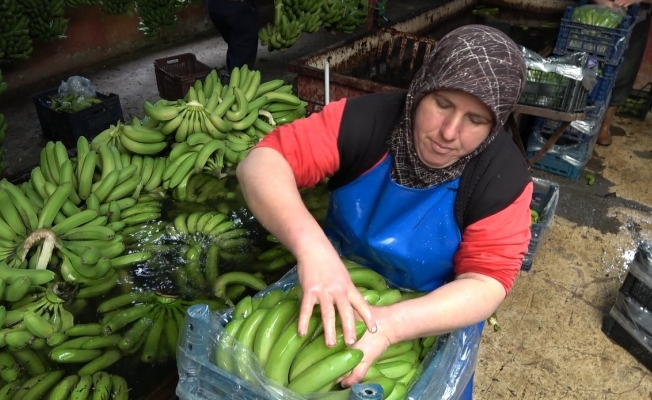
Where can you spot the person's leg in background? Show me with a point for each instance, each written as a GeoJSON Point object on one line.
{"type": "Point", "coordinates": [626, 77]}
{"type": "Point", "coordinates": [238, 23]}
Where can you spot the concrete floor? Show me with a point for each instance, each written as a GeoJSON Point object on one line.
{"type": "Point", "coordinates": [551, 345]}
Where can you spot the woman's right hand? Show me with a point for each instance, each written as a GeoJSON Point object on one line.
{"type": "Point", "coordinates": [325, 281]}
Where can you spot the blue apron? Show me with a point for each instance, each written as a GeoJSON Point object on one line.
{"type": "Point", "coordinates": [407, 235]}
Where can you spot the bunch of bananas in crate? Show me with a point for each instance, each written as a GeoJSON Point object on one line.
{"type": "Point", "coordinates": [46, 18]}
{"type": "Point", "coordinates": [263, 331]}
{"type": "Point", "coordinates": [115, 7]}
{"type": "Point", "coordinates": [15, 42]}
{"type": "Point", "coordinates": [72, 102]}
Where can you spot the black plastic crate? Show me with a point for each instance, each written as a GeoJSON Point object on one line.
{"type": "Point", "coordinates": [604, 44]}
{"type": "Point", "coordinates": [637, 104]}
{"type": "Point", "coordinates": [544, 201]}
{"type": "Point", "coordinates": [619, 329]}
{"type": "Point", "coordinates": [638, 282]}
{"type": "Point", "coordinates": [175, 75]}
{"type": "Point", "coordinates": [68, 127]}
{"type": "Point", "coordinates": [554, 91]}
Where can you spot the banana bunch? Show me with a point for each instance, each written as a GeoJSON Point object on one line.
{"type": "Point", "coordinates": [46, 21]}
{"type": "Point", "coordinates": [3, 124]}
{"type": "Point", "coordinates": [265, 330]}
{"type": "Point", "coordinates": [140, 322]}
{"type": "Point", "coordinates": [276, 258]}
{"type": "Point", "coordinates": [132, 139]}
{"type": "Point", "coordinates": [206, 186]}
{"type": "Point", "coordinates": [72, 102]}
{"type": "Point", "coordinates": [17, 283]}
{"type": "Point", "coordinates": [116, 7]}
{"type": "Point", "coordinates": [36, 386]}
{"type": "Point", "coordinates": [79, 3]}
{"type": "Point", "coordinates": [344, 16]}
{"type": "Point", "coordinates": [296, 9]}
{"type": "Point", "coordinates": [36, 321]}
{"type": "Point", "coordinates": [15, 42]}
{"type": "Point", "coordinates": [284, 32]}
{"type": "Point", "coordinates": [100, 385]}
{"type": "Point", "coordinates": [156, 15]}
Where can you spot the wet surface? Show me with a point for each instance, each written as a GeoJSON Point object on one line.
{"type": "Point", "coordinates": [550, 345]}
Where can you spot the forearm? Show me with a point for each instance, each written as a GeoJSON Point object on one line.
{"type": "Point", "coordinates": [271, 193]}
{"type": "Point", "coordinates": [465, 301]}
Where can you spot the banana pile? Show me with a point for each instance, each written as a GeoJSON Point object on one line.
{"type": "Point", "coordinates": [216, 125]}
{"type": "Point", "coordinates": [116, 7]}
{"type": "Point", "coordinates": [265, 331]}
{"type": "Point", "coordinates": [344, 16]}
{"type": "Point", "coordinates": [134, 139]}
{"type": "Point", "coordinates": [15, 42]}
{"type": "Point", "coordinates": [156, 15]}
{"type": "Point", "coordinates": [72, 102]}
{"type": "Point", "coordinates": [46, 21]}
{"type": "Point", "coordinates": [291, 17]}
{"type": "Point", "coordinates": [56, 386]}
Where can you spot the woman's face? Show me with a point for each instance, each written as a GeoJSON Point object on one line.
{"type": "Point", "coordinates": [449, 124]}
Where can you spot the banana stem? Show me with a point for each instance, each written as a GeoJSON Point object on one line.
{"type": "Point", "coordinates": [268, 115]}
{"type": "Point", "coordinates": [49, 243]}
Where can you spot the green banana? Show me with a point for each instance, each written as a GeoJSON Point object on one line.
{"type": "Point", "coordinates": [285, 350]}
{"type": "Point", "coordinates": [326, 371]}
{"type": "Point", "coordinates": [76, 356]}
{"type": "Point", "coordinates": [108, 358]}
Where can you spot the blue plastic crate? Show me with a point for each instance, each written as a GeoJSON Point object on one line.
{"type": "Point", "coordinates": [604, 44]}
{"type": "Point", "coordinates": [448, 366]}
{"type": "Point", "coordinates": [602, 90]}
{"type": "Point", "coordinates": [594, 115]}
{"type": "Point", "coordinates": [566, 158]}
{"type": "Point", "coordinates": [544, 201]}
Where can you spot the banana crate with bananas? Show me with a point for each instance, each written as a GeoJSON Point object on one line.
{"type": "Point", "coordinates": [67, 118]}
{"type": "Point", "coordinates": [253, 351]}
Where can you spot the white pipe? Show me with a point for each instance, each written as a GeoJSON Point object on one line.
{"type": "Point", "coordinates": [326, 83]}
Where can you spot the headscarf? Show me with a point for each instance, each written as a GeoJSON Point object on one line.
{"type": "Point", "coordinates": [476, 59]}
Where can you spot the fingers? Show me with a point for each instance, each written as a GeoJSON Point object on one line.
{"type": "Point", "coordinates": [305, 312]}
{"type": "Point", "coordinates": [347, 317]}
{"type": "Point", "coordinates": [357, 374]}
{"type": "Point", "coordinates": [364, 311]}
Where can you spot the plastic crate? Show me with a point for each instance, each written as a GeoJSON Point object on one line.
{"type": "Point", "coordinates": [175, 75]}
{"type": "Point", "coordinates": [591, 124]}
{"type": "Point", "coordinates": [602, 90]}
{"type": "Point", "coordinates": [566, 158]}
{"type": "Point", "coordinates": [604, 44]}
{"type": "Point", "coordinates": [637, 104]}
{"type": "Point", "coordinates": [627, 338]}
{"type": "Point", "coordinates": [638, 282]}
{"type": "Point", "coordinates": [544, 201]}
{"type": "Point", "coordinates": [554, 91]}
{"type": "Point", "coordinates": [201, 379]}
{"type": "Point", "coordinates": [68, 127]}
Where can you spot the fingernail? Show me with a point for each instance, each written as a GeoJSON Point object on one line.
{"type": "Point", "coordinates": [351, 342]}
{"type": "Point", "coordinates": [374, 329]}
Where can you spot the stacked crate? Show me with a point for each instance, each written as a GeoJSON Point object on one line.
{"type": "Point", "coordinates": [629, 322]}
{"type": "Point", "coordinates": [605, 47]}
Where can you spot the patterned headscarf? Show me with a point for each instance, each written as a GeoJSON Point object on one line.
{"type": "Point", "coordinates": [476, 59]}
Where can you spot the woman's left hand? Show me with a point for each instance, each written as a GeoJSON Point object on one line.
{"type": "Point", "coordinates": [626, 3]}
{"type": "Point", "coordinates": [373, 345]}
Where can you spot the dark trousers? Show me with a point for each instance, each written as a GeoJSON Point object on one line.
{"type": "Point", "coordinates": [237, 21]}
{"type": "Point", "coordinates": [632, 59]}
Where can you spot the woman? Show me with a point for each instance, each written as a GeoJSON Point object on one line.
{"type": "Point", "coordinates": [426, 188]}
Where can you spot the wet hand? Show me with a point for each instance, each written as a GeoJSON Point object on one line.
{"type": "Point", "coordinates": [326, 282]}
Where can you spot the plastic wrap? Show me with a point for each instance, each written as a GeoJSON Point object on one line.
{"type": "Point", "coordinates": [573, 152]}
{"type": "Point", "coordinates": [576, 66]}
{"type": "Point", "coordinates": [544, 201]}
{"type": "Point", "coordinates": [448, 367]}
{"type": "Point", "coordinates": [77, 85]}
